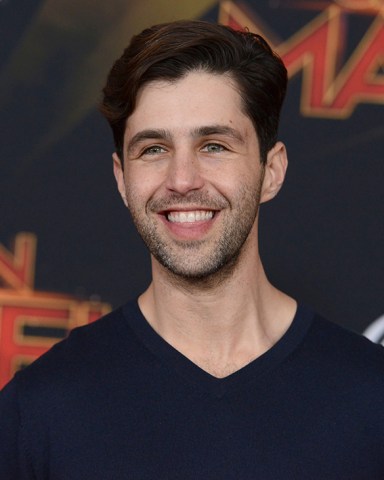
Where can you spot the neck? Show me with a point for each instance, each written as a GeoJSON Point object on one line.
{"type": "Point", "coordinates": [221, 323]}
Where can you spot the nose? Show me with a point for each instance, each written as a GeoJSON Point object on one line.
{"type": "Point", "coordinates": [184, 172]}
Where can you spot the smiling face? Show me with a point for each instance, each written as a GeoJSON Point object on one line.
{"type": "Point", "coordinates": [192, 175]}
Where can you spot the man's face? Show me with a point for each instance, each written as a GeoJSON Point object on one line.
{"type": "Point", "coordinates": [192, 176]}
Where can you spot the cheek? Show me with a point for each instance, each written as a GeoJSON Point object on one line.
{"type": "Point", "coordinates": [230, 182]}
{"type": "Point", "coordinates": [140, 187]}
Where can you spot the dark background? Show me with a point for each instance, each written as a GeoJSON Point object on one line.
{"type": "Point", "coordinates": [321, 239]}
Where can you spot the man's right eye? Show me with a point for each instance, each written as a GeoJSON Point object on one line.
{"type": "Point", "coordinates": [153, 150]}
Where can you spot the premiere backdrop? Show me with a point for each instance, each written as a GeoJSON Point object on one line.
{"type": "Point", "coordinates": [322, 238]}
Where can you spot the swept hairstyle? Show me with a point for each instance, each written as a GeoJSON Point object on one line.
{"type": "Point", "coordinates": [171, 50]}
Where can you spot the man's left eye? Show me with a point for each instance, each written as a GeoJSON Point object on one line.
{"type": "Point", "coordinates": [213, 148]}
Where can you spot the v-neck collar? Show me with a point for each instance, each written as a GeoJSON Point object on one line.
{"type": "Point", "coordinates": [202, 380]}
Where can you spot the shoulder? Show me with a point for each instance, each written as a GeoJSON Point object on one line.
{"type": "Point", "coordinates": [97, 347]}
{"type": "Point", "coordinates": [338, 355]}
{"type": "Point", "coordinates": [342, 343]}
{"type": "Point", "coordinates": [83, 342]}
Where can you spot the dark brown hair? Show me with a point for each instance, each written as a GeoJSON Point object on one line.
{"type": "Point", "coordinates": [171, 50]}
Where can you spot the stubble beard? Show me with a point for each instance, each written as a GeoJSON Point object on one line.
{"type": "Point", "coordinates": [201, 262]}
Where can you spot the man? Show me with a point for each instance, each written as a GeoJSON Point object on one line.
{"type": "Point", "coordinates": [212, 373]}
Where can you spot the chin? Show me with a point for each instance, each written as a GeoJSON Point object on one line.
{"type": "Point", "coordinates": [200, 273]}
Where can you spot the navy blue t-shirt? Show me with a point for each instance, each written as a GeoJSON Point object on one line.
{"type": "Point", "coordinates": [115, 401]}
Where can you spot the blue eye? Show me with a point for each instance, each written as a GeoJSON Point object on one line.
{"type": "Point", "coordinates": [213, 148]}
{"type": "Point", "coordinates": [154, 150]}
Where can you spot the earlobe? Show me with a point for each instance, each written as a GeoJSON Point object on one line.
{"type": "Point", "coordinates": [119, 176]}
{"type": "Point", "coordinates": [274, 174]}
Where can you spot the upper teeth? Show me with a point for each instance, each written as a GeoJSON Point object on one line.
{"type": "Point", "coordinates": [183, 217]}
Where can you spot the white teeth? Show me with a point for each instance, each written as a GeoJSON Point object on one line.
{"type": "Point", "coordinates": [189, 217]}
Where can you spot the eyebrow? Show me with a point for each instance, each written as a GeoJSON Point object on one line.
{"type": "Point", "coordinates": [204, 131]}
{"type": "Point", "coordinates": [150, 134]}
{"type": "Point", "coordinates": [218, 130]}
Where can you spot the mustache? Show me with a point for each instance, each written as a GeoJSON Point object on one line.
{"type": "Point", "coordinates": [192, 198]}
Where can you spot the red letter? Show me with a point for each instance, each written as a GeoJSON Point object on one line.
{"type": "Point", "coordinates": [17, 270]}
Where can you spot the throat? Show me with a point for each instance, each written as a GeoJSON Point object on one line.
{"type": "Point", "coordinates": [220, 368]}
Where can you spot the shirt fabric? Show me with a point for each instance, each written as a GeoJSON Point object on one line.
{"type": "Point", "coordinates": [115, 401]}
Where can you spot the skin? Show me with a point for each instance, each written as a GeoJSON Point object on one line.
{"type": "Point", "coordinates": [193, 182]}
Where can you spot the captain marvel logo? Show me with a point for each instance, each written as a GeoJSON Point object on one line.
{"type": "Point", "coordinates": [333, 84]}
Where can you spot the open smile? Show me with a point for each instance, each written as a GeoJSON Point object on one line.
{"type": "Point", "coordinates": [191, 224]}
{"type": "Point", "coordinates": [191, 216]}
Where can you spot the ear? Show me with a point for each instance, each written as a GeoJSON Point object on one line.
{"type": "Point", "coordinates": [274, 172]}
{"type": "Point", "coordinates": [119, 176]}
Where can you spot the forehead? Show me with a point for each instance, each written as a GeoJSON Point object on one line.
{"type": "Point", "coordinates": [198, 98]}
